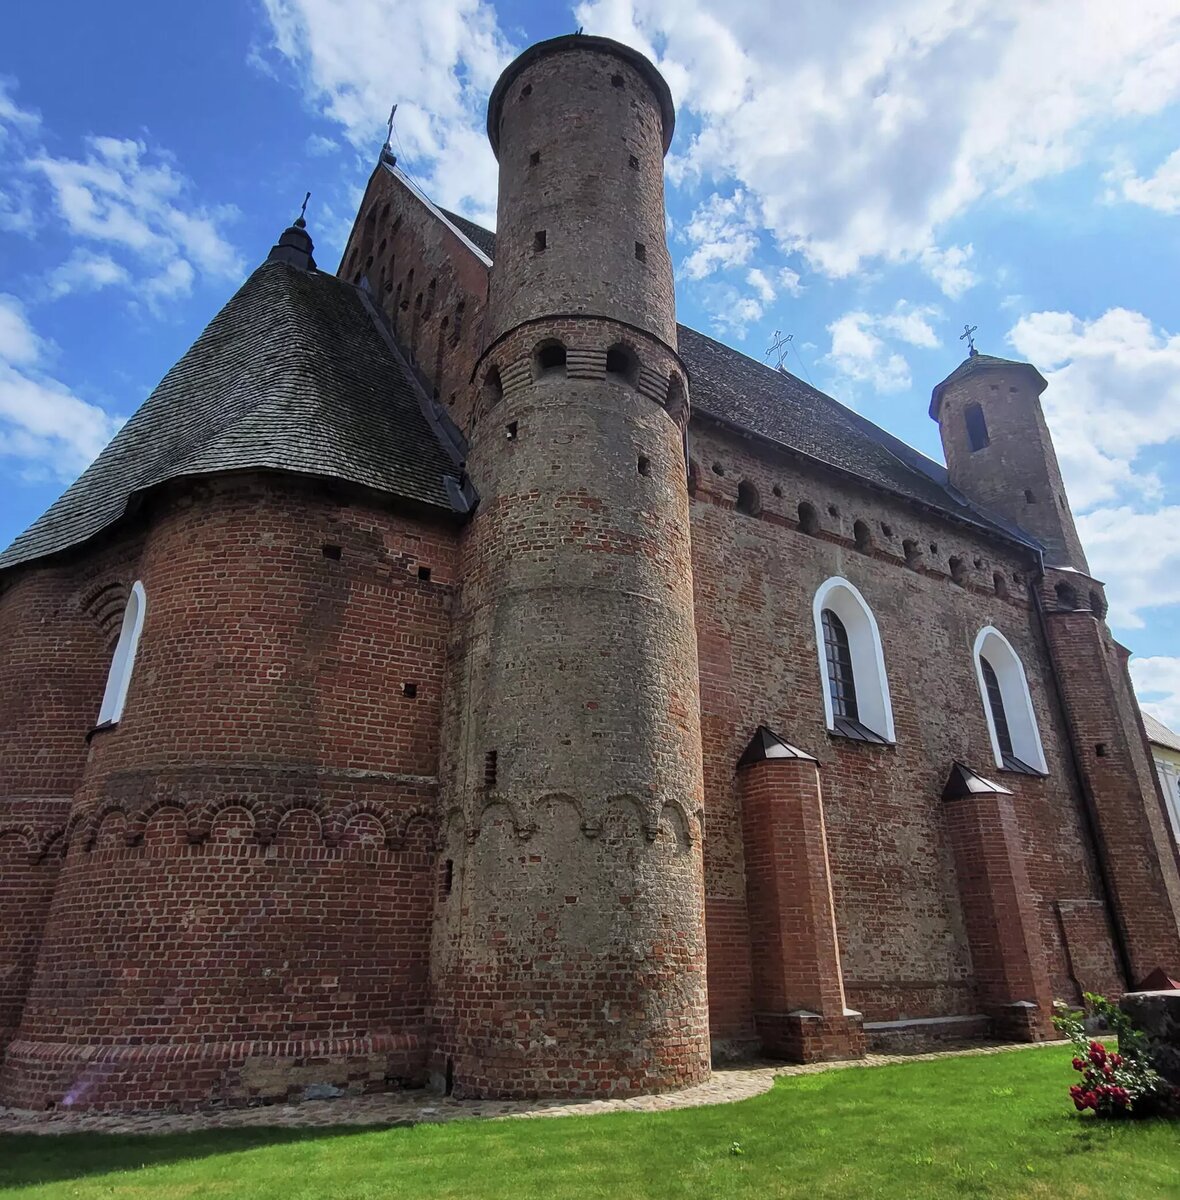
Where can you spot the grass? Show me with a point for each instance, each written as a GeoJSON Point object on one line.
{"type": "Point", "coordinates": [990, 1126]}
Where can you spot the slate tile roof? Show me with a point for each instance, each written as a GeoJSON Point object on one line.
{"type": "Point", "coordinates": [292, 374]}
{"type": "Point", "coordinates": [1159, 734]}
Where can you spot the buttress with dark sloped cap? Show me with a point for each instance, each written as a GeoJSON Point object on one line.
{"type": "Point", "coordinates": [296, 374]}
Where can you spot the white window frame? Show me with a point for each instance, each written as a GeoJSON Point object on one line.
{"type": "Point", "coordinates": [1169, 776]}
{"type": "Point", "coordinates": [868, 658]}
{"type": "Point", "coordinates": [123, 662]}
{"type": "Point", "coordinates": [991, 644]}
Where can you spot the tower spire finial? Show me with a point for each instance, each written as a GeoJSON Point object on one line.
{"type": "Point", "coordinates": [301, 220]}
{"type": "Point", "coordinates": [387, 154]}
{"type": "Point", "coordinates": [968, 336]}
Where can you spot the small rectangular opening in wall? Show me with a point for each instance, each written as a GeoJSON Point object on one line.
{"type": "Point", "coordinates": [644, 465]}
{"type": "Point", "coordinates": [1100, 749]}
{"type": "Point", "coordinates": [448, 876]}
{"type": "Point", "coordinates": [490, 766]}
{"type": "Point", "coordinates": [539, 240]}
{"type": "Point", "coordinates": [641, 252]}
{"type": "Point", "coordinates": [534, 158]}
{"type": "Point", "coordinates": [330, 551]}
{"type": "Point", "coordinates": [410, 690]}
{"type": "Point", "coordinates": [510, 431]}
{"type": "Point", "coordinates": [633, 162]}
{"type": "Point", "coordinates": [1029, 498]}
{"type": "Point", "coordinates": [424, 574]}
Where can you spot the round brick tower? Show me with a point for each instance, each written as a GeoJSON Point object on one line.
{"type": "Point", "coordinates": [569, 956]}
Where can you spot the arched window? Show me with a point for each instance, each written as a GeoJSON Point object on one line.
{"type": "Point", "coordinates": [622, 363]}
{"type": "Point", "coordinates": [1007, 705]}
{"type": "Point", "coordinates": [748, 500]}
{"type": "Point", "coordinates": [548, 359]}
{"type": "Point", "coordinates": [493, 389]}
{"type": "Point", "coordinates": [862, 536]}
{"type": "Point", "coordinates": [976, 423]}
{"type": "Point", "coordinates": [123, 662]}
{"type": "Point", "coordinates": [852, 664]}
{"type": "Point", "coordinates": [808, 520]}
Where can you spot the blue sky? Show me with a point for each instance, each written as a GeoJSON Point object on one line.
{"type": "Point", "coordinates": [866, 176]}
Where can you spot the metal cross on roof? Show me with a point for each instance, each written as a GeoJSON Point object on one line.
{"type": "Point", "coordinates": [968, 336]}
{"type": "Point", "coordinates": [780, 347]}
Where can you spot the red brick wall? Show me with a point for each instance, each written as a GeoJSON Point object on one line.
{"type": "Point", "coordinates": [429, 284]}
{"type": "Point", "coordinates": [250, 878]}
{"type": "Point", "coordinates": [903, 944]}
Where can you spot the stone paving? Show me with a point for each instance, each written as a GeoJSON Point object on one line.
{"type": "Point", "coordinates": [728, 1084]}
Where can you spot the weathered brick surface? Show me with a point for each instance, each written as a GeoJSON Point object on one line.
{"type": "Point", "coordinates": [295, 863]}
{"type": "Point", "coordinates": [903, 942]}
{"type": "Point", "coordinates": [430, 286]}
{"type": "Point", "coordinates": [1016, 474]}
{"type": "Point", "coordinates": [586, 115]}
{"type": "Point", "coordinates": [250, 861]}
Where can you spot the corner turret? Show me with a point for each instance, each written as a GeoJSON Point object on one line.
{"type": "Point", "coordinates": [999, 452]}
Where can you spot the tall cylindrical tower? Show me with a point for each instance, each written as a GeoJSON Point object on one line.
{"type": "Point", "coordinates": [569, 954]}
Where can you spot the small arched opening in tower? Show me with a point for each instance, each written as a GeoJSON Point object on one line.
{"type": "Point", "coordinates": [1097, 603]}
{"type": "Point", "coordinates": [958, 570]}
{"type": "Point", "coordinates": [808, 518]}
{"type": "Point", "coordinates": [862, 536]}
{"type": "Point", "coordinates": [622, 363]}
{"type": "Point", "coordinates": [493, 389]}
{"type": "Point", "coordinates": [749, 502]}
{"type": "Point", "coordinates": [912, 552]}
{"type": "Point", "coordinates": [1000, 584]}
{"type": "Point", "coordinates": [677, 402]}
{"type": "Point", "coordinates": [1067, 596]}
{"type": "Point", "coordinates": [549, 359]}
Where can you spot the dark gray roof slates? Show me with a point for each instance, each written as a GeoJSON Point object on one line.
{"type": "Point", "coordinates": [291, 375]}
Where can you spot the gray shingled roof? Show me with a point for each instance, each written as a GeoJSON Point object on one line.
{"type": "Point", "coordinates": [974, 364]}
{"type": "Point", "coordinates": [733, 388]}
{"type": "Point", "coordinates": [1159, 734]}
{"type": "Point", "coordinates": [293, 374]}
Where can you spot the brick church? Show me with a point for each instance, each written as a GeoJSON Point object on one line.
{"type": "Point", "coordinates": [457, 672]}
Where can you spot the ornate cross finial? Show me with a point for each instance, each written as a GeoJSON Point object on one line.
{"type": "Point", "coordinates": [301, 221]}
{"type": "Point", "coordinates": [389, 127]}
{"type": "Point", "coordinates": [780, 347]}
{"type": "Point", "coordinates": [968, 336]}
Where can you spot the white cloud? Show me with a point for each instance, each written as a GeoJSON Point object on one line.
{"type": "Point", "coordinates": [762, 286]}
{"type": "Point", "coordinates": [860, 349]}
{"type": "Point", "coordinates": [1114, 391]}
{"type": "Point", "coordinates": [1160, 191]}
{"type": "Point", "coordinates": [43, 426]}
{"type": "Point", "coordinates": [85, 271]}
{"type": "Point", "coordinates": [134, 201]}
{"type": "Point", "coordinates": [1137, 554]}
{"type": "Point", "coordinates": [1157, 684]}
{"type": "Point", "coordinates": [437, 61]}
{"type": "Point", "coordinates": [950, 269]}
{"type": "Point", "coordinates": [861, 130]}
{"type": "Point", "coordinates": [723, 234]}
{"type": "Point", "coordinates": [319, 146]}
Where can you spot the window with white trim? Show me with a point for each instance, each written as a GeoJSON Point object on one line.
{"type": "Point", "coordinates": [123, 663]}
{"type": "Point", "coordinates": [1007, 705]}
{"type": "Point", "coordinates": [852, 664]}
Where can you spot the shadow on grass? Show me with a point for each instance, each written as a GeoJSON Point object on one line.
{"type": "Point", "coordinates": [29, 1160]}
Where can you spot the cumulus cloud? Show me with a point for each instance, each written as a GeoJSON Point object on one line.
{"type": "Point", "coordinates": [1157, 684]}
{"type": "Point", "coordinates": [722, 232]}
{"type": "Point", "coordinates": [1114, 391]}
{"type": "Point", "coordinates": [46, 429]}
{"type": "Point", "coordinates": [861, 130]}
{"type": "Point", "coordinates": [1160, 191]}
{"type": "Point", "coordinates": [860, 350]}
{"type": "Point", "coordinates": [86, 271]}
{"type": "Point", "coordinates": [134, 202]}
{"type": "Point", "coordinates": [437, 61]}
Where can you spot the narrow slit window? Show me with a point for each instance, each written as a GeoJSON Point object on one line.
{"type": "Point", "coordinates": [995, 700]}
{"type": "Point", "coordinates": [977, 437]}
{"type": "Point", "coordinates": [535, 158]}
{"type": "Point", "coordinates": [123, 662]}
{"type": "Point", "coordinates": [641, 252]}
{"type": "Point", "coordinates": [491, 765]}
{"type": "Point", "coordinates": [539, 241]}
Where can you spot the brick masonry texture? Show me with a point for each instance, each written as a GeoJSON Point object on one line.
{"type": "Point", "coordinates": [401, 798]}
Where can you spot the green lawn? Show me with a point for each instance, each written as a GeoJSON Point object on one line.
{"type": "Point", "coordinates": [991, 1126]}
